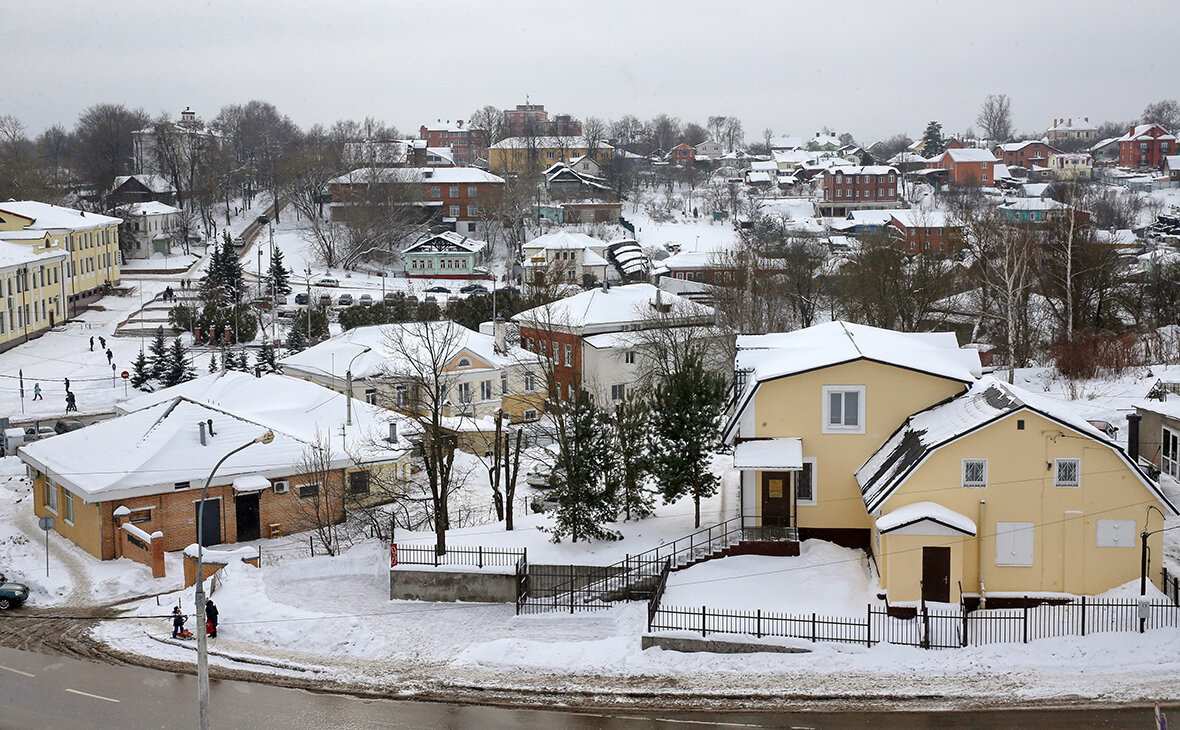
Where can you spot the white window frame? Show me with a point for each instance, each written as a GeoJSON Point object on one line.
{"type": "Point", "coordinates": [1057, 473]}
{"type": "Point", "coordinates": [530, 382]}
{"type": "Point", "coordinates": [814, 484]}
{"type": "Point", "coordinates": [463, 392]}
{"type": "Point", "coordinates": [974, 484]}
{"type": "Point", "coordinates": [618, 391]}
{"type": "Point", "coordinates": [1169, 459]}
{"type": "Point", "coordinates": [67, 512]}
{"type": "Point", "coordinates": [1013, 540]}
{"type": "Point", "coordinates": [50, 500]}
{"type": "Point", "coordinates": [828, 390]}
{"type": "Point", "coordinates": [530, 415]}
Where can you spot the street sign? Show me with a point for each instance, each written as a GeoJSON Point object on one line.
{"type": "Point", "coordinates": [45, 522]}
{"type": "Point", "coordinates": [126, 375]}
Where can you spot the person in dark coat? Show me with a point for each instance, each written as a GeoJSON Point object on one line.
{"type": "Point", "coordinates": [110, 356]}
{"type": "Point", "coordinates": [177, 621]}
{"type": "Point", "coordinates": [37, 392]}
{"type": "Point", "coordinates": [102, 342]}
{"type": "Point", "coordinates": [67, 384]}
{"type": "Point", "coordinates": [71, 405]}
{"type": "Point", "coordinates": [211, 617]}
{"type": "Point", "coordinates": [92, 343]}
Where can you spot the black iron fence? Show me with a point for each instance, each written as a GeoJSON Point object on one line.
{"type": "Point", "coordinates": [928, 629]}
{"type": "Point", "coordinates": [1172, 586]}
{"type": "Point", "coordinates": [478, 557]}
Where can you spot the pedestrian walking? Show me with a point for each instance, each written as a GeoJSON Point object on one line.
{"type": "Point", "coordinates": [211, 616]}
{"type": "Point", "coordinates": [37, 392]}
{"type": "Point", "coordinates": [110, 356]}
{"type": "Point", "coordinates": [67, 384]}
{"type": "Point", "coordinates": [71, 404]}
{"type": "Point", "coordinates": [177, 621]}
{"type": "Point", "coordinates": [92, 343]}
{"type": "Point", "coordinates": [102, 342]}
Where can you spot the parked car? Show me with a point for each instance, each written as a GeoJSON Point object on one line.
{"type": "Point", "coordinates": [325, 300]}
{"type": "Point", "coordinates": [345, 300]}
{"type": "Point", "coordinates": [508, 290]}
{"type": "Point", "coordinates": [439, 290]}
{"type": "Point", "coordinates": [544, 504]}
{"type": "Point", "coordinates": [366, 300]}
{"type": "Point", "coordinates": [474, 289]}
{"type": "Point", "coordinates": [391, 297]}
{"type": "Point", "coordinates": [280, 299]}
{"type": "Point", "coordinates": [36, 434]}
{"type": "Point", "coordinates": [67, 425]}
{"type": "Point", "coordinates": [538, 477]}
{"type": "Point", "coordinates": [327, 281]}
{"type": "Point", "coordinates": [301, 298]}
{"type": "Point", "coordinates": [12, 594]}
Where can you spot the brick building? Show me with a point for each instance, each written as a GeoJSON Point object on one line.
{"type": "Point", "coordinates": [467, 144]}
{"type": "Point", "coordinates": [154, 461]}
{"type": "Point", "coordinates": [855, 184]}
{"type": "Point", "coordinates": [967, 166]}
{"type": "Point", "coordinates": [533, 120]}
{"type": "Point", "coordinates": [682, 154]}
{"type": "Point", "coordinates": [925, 232]}
{"type": "Point", "coordinates": [1025, 154]}
{"type": "Point", "coordinates": [1146, 145]}
{"type": "Point", "coordinates": [456, 195]}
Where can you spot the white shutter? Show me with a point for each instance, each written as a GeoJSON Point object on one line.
{"type": "Point", "coordinates": [1014, 544]}
{"type": "Point", "coordinates": [1116, 533]}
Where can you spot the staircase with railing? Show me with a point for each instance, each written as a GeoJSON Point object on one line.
{"type": "Point", "coordinates": [636, 577]}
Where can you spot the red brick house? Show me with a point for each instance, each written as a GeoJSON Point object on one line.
{"type": "Point", "coordinates": [1025, 154]}
{"type": "Point", "coordinates": [468, 144]}
{"type": "Point", "coordinates": [1146, 145]}
{"type": "Point", "coordinates": [456, 195]}
{"type": "Point", "coordinates": [967, 166]}
{"type": "Point", "coordinates": [925, 232]}
{"type": "Point", "coordinates": [862, 184]}
{"type": "Point", "coordinates": [682, 154]}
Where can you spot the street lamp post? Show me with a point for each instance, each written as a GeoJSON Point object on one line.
{"type": "Point", "coordinates": [348, 380]}
{"type": "Point", "coordinates": [199, 596]}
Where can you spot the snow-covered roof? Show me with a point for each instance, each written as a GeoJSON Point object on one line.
{"type": "Point", "coordinates": [970, 154]}
{"type": "Point", "coordinates": [423, 175]}
{"type": "Point", "coordinates": [922, 218]}
{"type": "Point", "coordinates": [390, 346]}
{"type": "Point", "coordinates": [448, 238]}
{"type": "Point", "coordinates": [569, 143]}
{"type": "Point", "coordinates": [1172, 162]}
{"type": "Point", "coordinates": [988, 400]}
{"type": "Point", "coordinates": [20, 254]}
{"type": "Point", "coordinates": [155, 183]}
{"type": "Point", "coordinates": [785, 143]}
{"type": "Point", "coordinates": [150, 207]}
{"type": "Point", "coordinates": [765, 454]}
{"type": "Point", "coordinates": [563, 240]}
{"type": "Point", "coordinates": [1072, 124]}
{"type": "Point", "coordinates": [863, 170]}
{"type": "Point", "coordinates": [48, 217]}
{"type": "Point", "coordinates": [758, 177]}
{"type": "Point", "coordinates": [902, 158]}
{"type": "Point", "coordinates": [604, 310]}
{"type": "Point", "coordinates": [871, 217]}
{"type": "Point", "coordinates": [1017, 146]}
{"type": "Point", "coordinates": [1141, 131]}
{"type": "Point", "coordinates": [912, 515]}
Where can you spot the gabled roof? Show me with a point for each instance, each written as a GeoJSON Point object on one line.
{"type": "Point", "coordinates": [862, 170]}
{"type": "Point", "coordinates": [1017, 146]}
{"type": "Point", "coordinates": [605, 310]}
{"type": "Point", "coordinates": [153, 182]}
{"type": "Point", "coordinates": [969, 154]}
{"type": "Point", "coordinates": [564, 240]}
{"type": "Point", "coordinates": [45, 216]}
{"type": "Point", "coordinates": [1142, 131]}
{"type": "Point", "coordinates": [447, 241]}
{"type": "Point", "coordinates": [150, 207]}
{"type": "Point", "coordinates": [987, 401]}
{"type": "Point", "coordinates": [922, 219]}
{"type": "Point", "coordinates": [423, 175]}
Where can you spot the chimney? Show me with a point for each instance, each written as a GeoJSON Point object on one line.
{"type": "Point", "coordinates": [1133, 436]}
{"type": "Point", "coordinates": [500, 336]}
{"type": "Point", "coordinates": [211, 431]}
{"type": "Point", "coordinates": [392, 432]}
{"type": "Point", "coordinates": [201, 428]}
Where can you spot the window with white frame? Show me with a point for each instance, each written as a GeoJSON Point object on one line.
{"type": "Point", "coordinates": [464, 390]}
{"type": "Point", "coordinates": [1067, 472]}
{"type": "Point", "coordinates": [1014, 544]}
{"type": "Point", "coordinates": [844, 409]}
{"type": "Point", "coordinates": [68, 507]}
{"type": "Point", "coordinates": [618, 392]}
{"type": "Point", "coordinates": [402, 397]}
{"type": "Point", "coordinates": [974, 472]}
{"type": "Point", "coordinates": [805, 483]}
{"type": "Point", "coordinates": [371, 396]}
{"type": "Point", "coordinates": [503, 383]}
{"type": "Point", "coordinates": [454, 211]}
{"type": "Point", "coordinates": [530, 415]}
{"type": "Point", "coordinates": [569, 355]}
{"type": "Point", "coordinates": [629, 357]}
{"type": "Point", "coordinates": [530, 382]}
{"type": "Point", "coordinates": [50, 501]}
{"type": "Point", "coordinates": [1169, 454]}
{"type": "Point", "coordinates": [485, 390]}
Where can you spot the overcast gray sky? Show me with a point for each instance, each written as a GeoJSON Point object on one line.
{"type": "Point", "coordinates": [874, 68]}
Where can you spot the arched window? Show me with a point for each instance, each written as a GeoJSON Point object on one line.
{"type": "Point", "coordinates": [464, 363]}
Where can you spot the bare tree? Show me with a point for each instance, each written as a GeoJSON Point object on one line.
{"type": "Point", "coordinates": [1165, 113]}
{"type": "Point", "coordinates": [104, 142]}
{"type": "Point", "coordinates": [22, 175]}
{"type": "Point", "coordinates": [378, 215]}
{"type": "Point", "coordinates": [884, 287]}
{"type": "Point", "coordinates": [321, 493]}
{"type": "Point", "coordinates": [995, 117]}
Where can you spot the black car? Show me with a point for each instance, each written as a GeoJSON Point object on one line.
{"type": "Point", "coordinates": [66, 426]}
{"type": "Point", "coordinates": [474, 289]}
{"type": "Point", "coordinates": [301, 298]}
{"type": "Point", "coordinates": [439, 290]}
{"type": "Point", "coordinates": [12, 594]}
{"type": "Point", "coordinates": [508, 290]}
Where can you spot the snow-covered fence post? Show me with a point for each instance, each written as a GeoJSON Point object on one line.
{"type": "Point", "coordinates": [1083, 615]}
{"type": "Point", "coordinates": [704, 610]}
{"type": "Point", "coordinates": [813, 634]}
{"type": "Point", "coordinates": [869, 626]}
{"type": "Point", "coordinates": [759, 625]}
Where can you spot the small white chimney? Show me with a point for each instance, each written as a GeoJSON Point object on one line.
{"type": "Point", "coordinates": [392, 432]}
{"type": "Point", "coordinates": [500, 336]}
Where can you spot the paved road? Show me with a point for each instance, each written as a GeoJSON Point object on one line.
{"type": "Point", "coordinates": [40, 691]}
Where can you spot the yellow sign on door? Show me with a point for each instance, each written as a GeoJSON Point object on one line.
{"type": "Point", "coordinates": [775, 489]}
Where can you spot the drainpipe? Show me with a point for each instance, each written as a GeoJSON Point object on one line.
{"type": "Point", "coordinates": [1133, 436]}
{"type": "Point", "coordinates": [979, 546]}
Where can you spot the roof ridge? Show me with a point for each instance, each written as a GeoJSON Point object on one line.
{"type": "Point", "coordinates": [843, 326]}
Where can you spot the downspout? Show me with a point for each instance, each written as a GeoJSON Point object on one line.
{"type": "Point", "coordinates": [979, 546]}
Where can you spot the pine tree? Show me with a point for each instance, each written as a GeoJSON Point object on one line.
{"type": "Point", "coordinates": [244, 361]}
{"type": "Point", "coordinates": [157, 360]}
{"type": "Point", "coordinates": [933, 144]}
{"type": "Point", "coordinates": [630, 463]}
{"type": "Point", "coordinates": [267, 358]}
{"type": "Point", "coordinates": [177, 364]}
{"type": "Point", "coordinates": [278, 277]}
{"type": "Point", "coordinates": [140, 371]}
{"type": "Point", "coordinates": [685, 429]}
{"type": "Point", "coordinates": [296, 340]}
{"type": "Point", "coordinates": [584, 503]}
{"type": "Point", "coordinates": [213, 362]}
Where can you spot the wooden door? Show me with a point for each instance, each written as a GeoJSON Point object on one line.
{"type": "Point", "coordinates": [776, 499]}
{"type": "Point", "coordinates": [246, 508]}
{"type": "Point", "coordinates": [936, 574]}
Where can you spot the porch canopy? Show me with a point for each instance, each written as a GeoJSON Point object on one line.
{"type": "Point", "coordinates": [251, 483]}
{"type": "Point", "coordinates": [779, 454]}
{"type": "Point", "coordinates": [925, 518]}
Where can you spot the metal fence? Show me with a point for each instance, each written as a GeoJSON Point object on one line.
{"type": "Point", "coordinates": [1172, 587]}
{"type": "Point", "coordinates": [927, 629]}
{"type": "Point", "coordinates": [478, 557]}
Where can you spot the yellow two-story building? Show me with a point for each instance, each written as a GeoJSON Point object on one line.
{"type": "Point", "coordinates": [531, 155]}
{"type": "Point", "coordinates": [33, 288]}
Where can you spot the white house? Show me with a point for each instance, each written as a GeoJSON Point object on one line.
{"type": "Point", "coordinates": [153, 225]}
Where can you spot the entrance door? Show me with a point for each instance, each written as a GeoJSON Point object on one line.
{"type": "Point", "coordinates": [776, 499]}
{"type": "Point", "coordinates": [211, 525]}
{"type": "Point", "coordinates": [936, 574]}
{"type": "Point", "coordinates": [246, 506]}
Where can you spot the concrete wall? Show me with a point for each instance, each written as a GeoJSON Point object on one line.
{"type": "Point", "coordinates": [446, 585]}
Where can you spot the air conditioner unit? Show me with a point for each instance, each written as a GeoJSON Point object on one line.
{"type": "Point", "coordinates": [281, 486]}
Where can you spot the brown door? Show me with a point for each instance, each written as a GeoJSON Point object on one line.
{"type": "Point", "coordinates": [776, 498]}
{"type": "Point", "coordinates": [936, 574]}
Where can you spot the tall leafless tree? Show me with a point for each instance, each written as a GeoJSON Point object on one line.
{"type": "Point", "coordinates": [995, 117]}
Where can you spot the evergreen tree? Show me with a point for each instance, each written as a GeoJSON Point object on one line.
{"type": "Point", "coordinates": [630, 463]}
{"type": "Point", "coordinates": [584, 504]}
{"type": "Point", "coordinates": [177, 364]}
{"type": "Point", "coordinates": [684, 430]}
{"type": "Point", "coordinates": [213, 362]}
{"type": "Point", "coordinates": [932, 142]}
{"type": "Point", "coordinates": [277, 276]}
{"type": "Point", "coordinates": [296, 340]}
{"type": "Point", "coordinates": [244, 361]}
{"type": "Point", "coordinates": [267, 360]}
{"type": "Point", "coordinates": [157, 360]}
{"type": "Point", "coordinates": [141, 372]}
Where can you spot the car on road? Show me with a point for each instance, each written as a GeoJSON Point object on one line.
{"type": "Point", "coordinates": [508, 290]}
{"type": "Point", "coordinates": [345, 300]}
{"type": "Point", "coordinates": [12, 594]}
{"type": "Point", "coordinates": [366, 300]}
{"type": "Point", "coordinates": [36, 434]}
{"type": "Point", "coordinates": [67, 425]}
{"type": "Point", "coordinates": [474, 289]}
{"type": "Point", "coordinates": [325, 300]}
{"type": "Point", "coordinates": [439, 290]}
{"type": "Point", "coordinates": [327, 281]}
{"type": "Point", "coordinates": [391, 296]}
{"type": "Point", "coordinates": [301, 298]}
